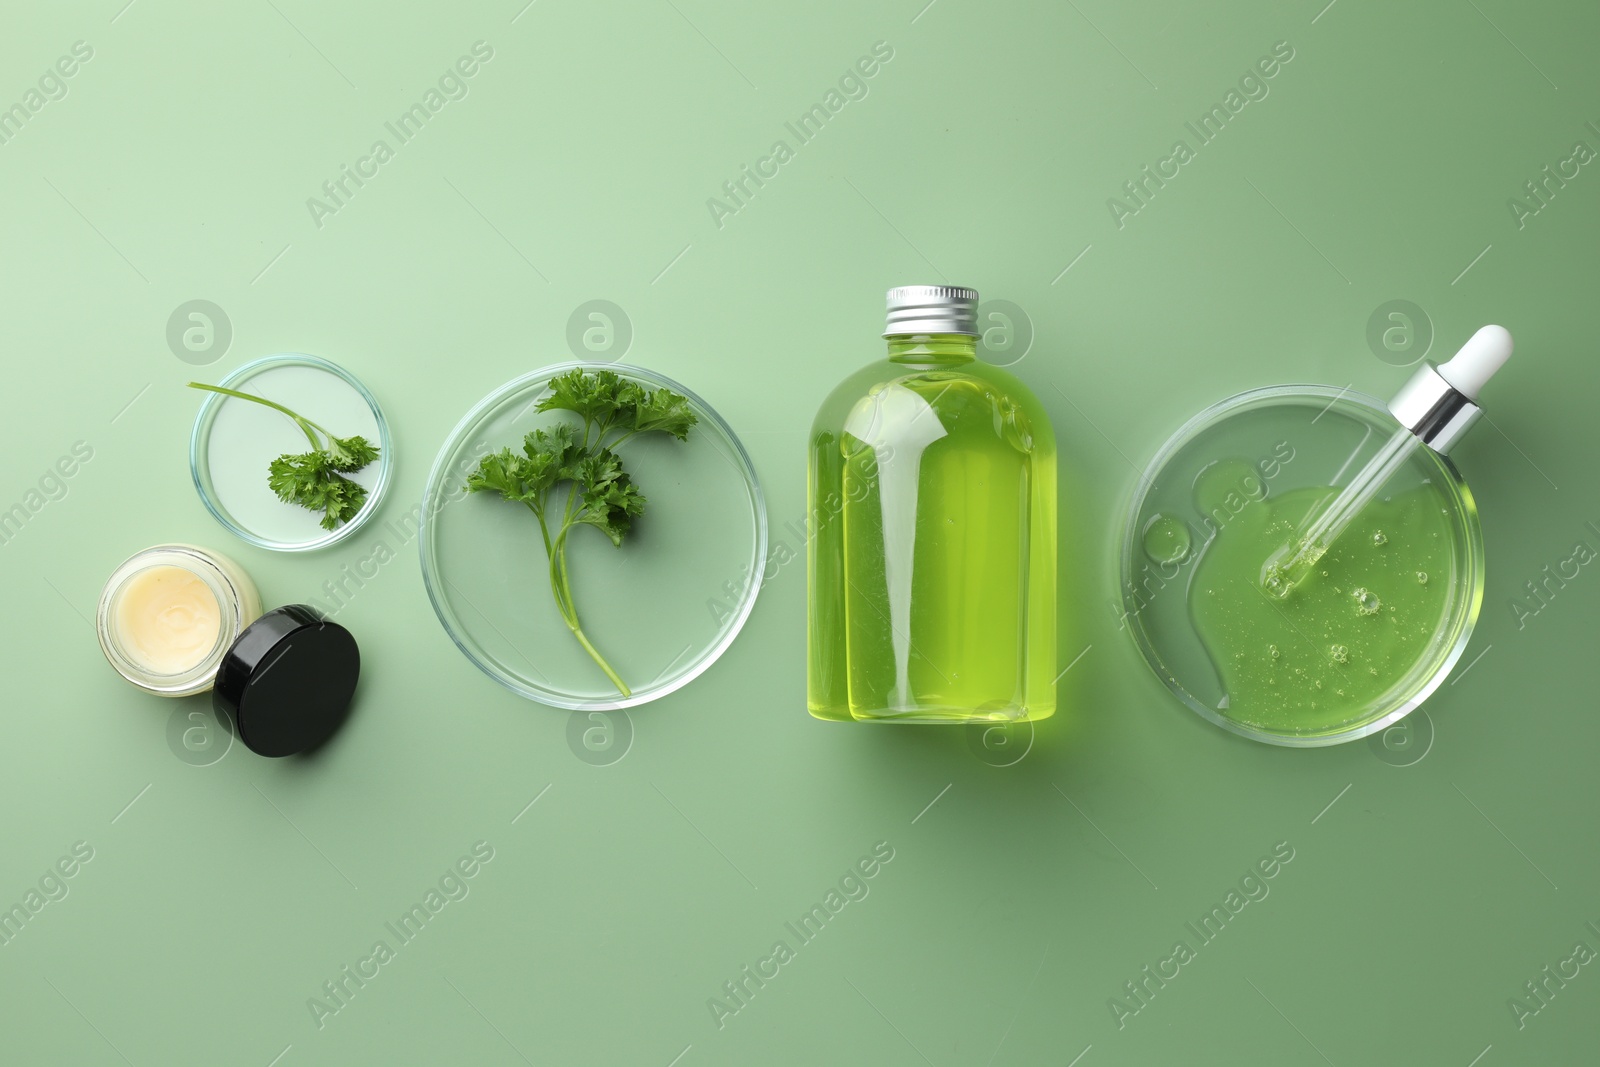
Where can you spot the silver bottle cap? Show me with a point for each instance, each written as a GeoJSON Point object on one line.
{"type": "Point", "coordinates": [1433, 409]}
{"type": "Point", "coordinates": [932, 309]}
{"type": "Point", "coordinates": [1439, 403]}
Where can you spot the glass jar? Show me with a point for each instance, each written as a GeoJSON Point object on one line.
{"type": "Point", "coordinates": [155, 617]}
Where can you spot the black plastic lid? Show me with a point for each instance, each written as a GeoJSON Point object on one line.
{"type": "Point", "coordinates": [287, 680]}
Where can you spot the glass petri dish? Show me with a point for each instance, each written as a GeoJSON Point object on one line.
{"type": "Point", "coordinates": [660, 609]}
{"type": "Point", "coordinates": [1252, 467]}
{"type": "Point", "coordinates": [235, 441]}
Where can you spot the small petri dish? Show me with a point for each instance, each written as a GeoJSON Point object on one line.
{"type": "Point", "coordinates": [235, 441]}
{"type": "Point", "coordinates": [1360, 643]}
{"type": "Point", "coordinates": [660, 609]}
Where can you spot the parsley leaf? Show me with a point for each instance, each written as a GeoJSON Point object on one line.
{"type": "Point", "coordinates": [666, 411]}
{"type": "Point", "coordinates": [350, 454]}
{"type": "Point", "coordinates": [610, 499]}
{"type": "Point", "coordinates": [315, 480]}
{"type": "Point", "coordinates": [600, 491]}
{"type": "Point", "coordinates": [592, 395]}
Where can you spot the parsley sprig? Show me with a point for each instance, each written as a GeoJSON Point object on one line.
{"type": "Point", "coordinates": [600, 492]}
{"type": "Point", "coordinates": [316, 479]}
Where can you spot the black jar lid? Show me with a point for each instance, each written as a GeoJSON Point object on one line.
{"type": "Point", "coordinates": [287, 680]}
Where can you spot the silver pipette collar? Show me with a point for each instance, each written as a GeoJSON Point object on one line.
{"type": "Point", "coordinates": [1433, 409]}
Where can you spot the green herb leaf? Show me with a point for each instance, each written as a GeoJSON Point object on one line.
{"type": "Point", "coordinates": [665, 411]}
{"type": "Point", "coordinates": [553, 456]}
{"type": "Point", "coordinates": [592, 395]}
{"type": "Point", "coordinates": [606, 399]}
{"type": "Point", "coordinates": [312, 481]}
{"type": "Point", "coordinates": [610, 499]}
{"type": "Point", "coordinates": [503, 473]}
{"type": "Point", "coordinates": [350, 454]}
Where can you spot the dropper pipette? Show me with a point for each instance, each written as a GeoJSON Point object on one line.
{"type": "Point", "coordinates": [1434, 409]}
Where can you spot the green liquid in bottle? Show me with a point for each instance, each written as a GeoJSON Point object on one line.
{"type": "Point", "coordinates": [933, 538]}
{"type": "Point", "coordinates": [1355, 628]}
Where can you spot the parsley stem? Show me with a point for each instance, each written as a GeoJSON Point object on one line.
{"type": "Point", "coordinates": [561, 586]}
{"type": "Point", "coordinates": [544, 531]}
{"type": "Point", "coordinates": [301, 421]}
{"type": "Point", "coordinates": [622, 686]}
{"type": "Point", "coordinates": [563, 603]}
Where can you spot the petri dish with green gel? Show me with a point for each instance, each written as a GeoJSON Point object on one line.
{"type": "Point", "coordinates": [661, 608]}
{"type": "Point", "coordinates": [1368, 635]}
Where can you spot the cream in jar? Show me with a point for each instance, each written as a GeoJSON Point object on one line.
{"type": "Point", "coordinates": [169, 613]}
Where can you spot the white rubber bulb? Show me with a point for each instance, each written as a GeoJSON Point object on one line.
{"type": "Point", "coordinates": [1484, 353]}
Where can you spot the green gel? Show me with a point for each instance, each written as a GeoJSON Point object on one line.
{"type": "Point", "coordinates": [1356, 627]}
{"type": "Point", "coordinates": [1166, 540]}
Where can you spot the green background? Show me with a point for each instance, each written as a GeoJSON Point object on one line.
{"type": "Point", "coordinates": [668, 850]}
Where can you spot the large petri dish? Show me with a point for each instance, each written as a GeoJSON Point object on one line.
{"type": "Point", "coordinates": [660, 609]}
{"type": "Point", "coordinates": [235, 441]}
{"type": "Point", "coordinates": [1234, 471]}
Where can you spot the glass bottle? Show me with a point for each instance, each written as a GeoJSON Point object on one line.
{"type": "Point", "coordinates": [931, 556]}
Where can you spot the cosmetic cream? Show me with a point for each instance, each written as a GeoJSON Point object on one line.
{"type": "Point", "coordinates": [168, 615]}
